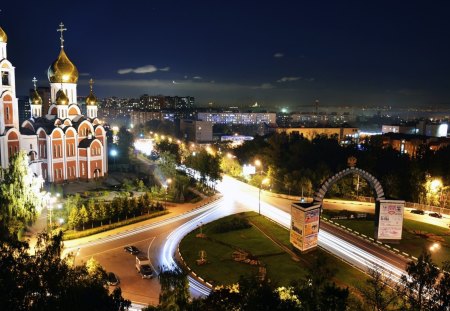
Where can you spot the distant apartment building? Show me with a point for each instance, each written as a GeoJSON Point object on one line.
{"type": "Point", "coordinates": [141, 117]}
{"type": "Point", "coordinates": [24, 108]}
{"type": "Point", "coordinates": [422, 127]}
{"type": "Point", "coordinates": [342, 134]}
{"type": "Point", "coordinates": [413, 144]}
{"type": "Point", "coordinates": [196, 131]}
{"type": "Point", "coordinates": [231, 118]}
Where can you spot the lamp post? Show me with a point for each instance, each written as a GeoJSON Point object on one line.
{"type": "Point", "coordinates": [114, 155]}
{"type": "Point", "coordinates": [168, 182]}
{"type": "Point", "coordinates": [75, 256]}
{"type": "Point", "coordinates": [263, 182]}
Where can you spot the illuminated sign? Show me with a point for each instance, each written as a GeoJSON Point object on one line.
{"type": "Point", "coordinates": [390, 220]}
{"type": "Point", "coordinates": [248, 169]}
{"type": "Point", "coordinates": [304, 226]}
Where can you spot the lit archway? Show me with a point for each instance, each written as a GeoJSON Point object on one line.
{"type": "Point", "coordinates": [373, 182]}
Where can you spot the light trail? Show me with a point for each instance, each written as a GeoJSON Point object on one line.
{"type": "Point", "coordinates": [144, 228]}
{"type": "Point", "coordinates": [246, 195]}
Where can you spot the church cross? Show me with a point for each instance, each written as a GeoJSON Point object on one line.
{"type": "Point", "coordinates": [91, 84]}
{"type": "Point", "coordinates": [34, 82]}
{"type": "Point", "coordinates": [61, 30]}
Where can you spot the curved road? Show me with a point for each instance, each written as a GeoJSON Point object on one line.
{"type": "Point", "coordinates": [159, 241]}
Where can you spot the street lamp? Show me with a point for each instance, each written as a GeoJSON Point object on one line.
{"type": "Point", "coordinates": [263, 182]}
{"type": "Point", "coordinates": [114, 155]}
{"type": "Point", "coordinates": [168, 182]}
{"type": "Point", "coordinates": [75, 256]}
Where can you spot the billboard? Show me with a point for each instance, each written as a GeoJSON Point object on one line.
{"type": "Point", "coordinates": [304, 226]}
{"type": "Point", "coordinates": [390, 220]}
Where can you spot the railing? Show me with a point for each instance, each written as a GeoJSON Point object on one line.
{"type": "Point", "coordinates": [423, 207]}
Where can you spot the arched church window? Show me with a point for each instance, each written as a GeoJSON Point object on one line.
{"type": "Point", "coordinates": [5, 78]}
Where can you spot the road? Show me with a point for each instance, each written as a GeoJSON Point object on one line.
{"type": "Point", "coordinates": [159, 240]}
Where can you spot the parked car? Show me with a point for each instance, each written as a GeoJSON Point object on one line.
{"type": "Point", "coordinates": [418, 211]}
{"type": "Point", "coordinates": [112, 279]}
{"type": "Point", "coordinates": [132, 249]}
{"type": "Point", "coordinates": [436, 215]}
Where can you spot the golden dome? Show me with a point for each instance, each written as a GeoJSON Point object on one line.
{"type": "Point", "coordinates": [3, 36]}
{"type": "Point", "coordinates": [91, 99]}
{"type": "Point", "coordinates": [61, 98]}
{"type": "Point", "coordinates": [35, 98]}
{"type": "Point", "coordinates": [62, 70]}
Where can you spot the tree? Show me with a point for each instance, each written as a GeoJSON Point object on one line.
{"type": "Point", "coordinates": [231, 166]}
{"type": "Point", "coordinates": [45, 281]}
{"type": "Point", "coordinates": [417, 286]}
{"type": "Point", "coordinates": [378, 292]}
{"type": "Point", "coordinates": [84, 215]}
{"type": "Point", "coordinates": [441, 293]}
{"type": "Point", "coordinates": [174, 289]}
{"type": "Point", "coordinates": [124, 144]}
{"type": "Point", "coordinates": [20, 197]}
{"type": "Point", "coordinates": [168, 165]}
{"type": "Point", "coordinates": [74, 218]}
{"type": "Point", "coordinates": [102, 212]}
{"type": "Point", "coordinates": [317, 292]}
{"type": "Point", "coordinates": [92, 210]}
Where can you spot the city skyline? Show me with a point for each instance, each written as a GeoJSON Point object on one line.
{"type": "Point", "coordinates": [276, 54]}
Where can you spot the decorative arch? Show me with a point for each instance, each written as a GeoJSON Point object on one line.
{"type": "Point", "coordinates": [12, 134]}
{"type": "Point", "coordinates": [27, 124]}
{"type": "Point", "coordinates": [70, 132]}
{"type": "Point", "coordinates": [74, 110]}
{"type": "Point", "coordinates": [57, 133]}
{"type": "Point", "coordinates": [373, 182]}
{"type": "Point", "coordinates": [83, 125]}
{"type": "Point", "coordinates": [41, 133]}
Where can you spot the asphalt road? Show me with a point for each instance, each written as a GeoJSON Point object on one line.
{"type": "Point", "coordinates": [159, 241]}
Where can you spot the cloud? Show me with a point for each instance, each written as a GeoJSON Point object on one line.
{"type": "Point", "coordinates": [264, 86]}
{"type": "Point", "coordinates": [84, 74]}
{"type": "Point", "coordinates": [141, 70]}
{"type": "Point", "coordinates": [176, 86]}
{"type": "Point", "coordinates": [288, 79]}
{"type": "Point", "coordinates": [197, 78]}
{"type": "Point", "coordinates": [278, 55]}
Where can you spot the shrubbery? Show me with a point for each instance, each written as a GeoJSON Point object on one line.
{"type": "Point", "coordinates": [236, 223]}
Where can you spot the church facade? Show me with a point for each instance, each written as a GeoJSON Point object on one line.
{"type": "Point", "coordinates": [62, 143]}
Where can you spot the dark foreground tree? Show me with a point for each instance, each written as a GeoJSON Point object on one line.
{"type": "Point", "coordinates": [379, 291]}
{"type": "Point", "coordinates": [44, 281]}
{"type": "Point", "coordinates": [425, 288]}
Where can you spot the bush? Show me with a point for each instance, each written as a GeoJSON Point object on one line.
{"type": "Point", "coordinates": [236, 223]}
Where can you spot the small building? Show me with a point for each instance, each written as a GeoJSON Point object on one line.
{"type": "Point", "coordinates": [196, 131]}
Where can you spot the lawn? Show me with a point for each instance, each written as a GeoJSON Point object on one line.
{"type": "Point", "coordinates": [416, 236]}
{"type": "Point", "coordinates": [281, 267]}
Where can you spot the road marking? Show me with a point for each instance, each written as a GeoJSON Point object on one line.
{"type": "Point", "coordinates": [111, 249]}
{"type": "Point", "coordinates": [148, 254]}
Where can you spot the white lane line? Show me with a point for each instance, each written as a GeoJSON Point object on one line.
{"type": "Point", "coordinates": [111, 249]}
{"type": "Point", "coordinates": [148, 254]}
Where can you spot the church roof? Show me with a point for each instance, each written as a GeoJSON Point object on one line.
{"type": "Point", "coordinates": [85, 143]}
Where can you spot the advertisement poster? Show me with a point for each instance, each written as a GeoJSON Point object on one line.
{"type": "Point", "coordinates": [390, 222]}
{"type": "Point", "coordinates": [304, 226]}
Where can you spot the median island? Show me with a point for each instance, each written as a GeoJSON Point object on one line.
{"type": "Point", "coordinates": [249, 244]}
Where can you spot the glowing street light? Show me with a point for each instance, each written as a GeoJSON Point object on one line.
{"type": "Point", "coordinates": [166, 186]}
{"type": "Point", "coordinates": [258, 163]}
{"type": "Point", "coordinates": [435, 185]}
{"type": "Point", "coordinates": [435, 247]}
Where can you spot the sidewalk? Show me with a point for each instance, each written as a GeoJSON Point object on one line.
{"type": "Point", "coordinates": [174, 210]}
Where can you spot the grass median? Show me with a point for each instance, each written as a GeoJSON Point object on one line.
{"type": "Point", "coordinates": [266, 242]}
{"type": "Point", "coordinates": [416, 236]}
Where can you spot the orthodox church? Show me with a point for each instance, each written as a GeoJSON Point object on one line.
{"type": "Point", "coordinates": [62, 144]}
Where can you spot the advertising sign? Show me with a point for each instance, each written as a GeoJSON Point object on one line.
{"type": "Point", "coordinates": [304, 226]}
{"type": "Point", "coordinates": [390, 222]}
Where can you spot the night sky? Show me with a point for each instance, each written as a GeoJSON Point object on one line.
{"type": "Point", "coordinates": [278, 53]}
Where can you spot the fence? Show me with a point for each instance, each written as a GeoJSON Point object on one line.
{"type": "Point", "coordinates": [423, 207]}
